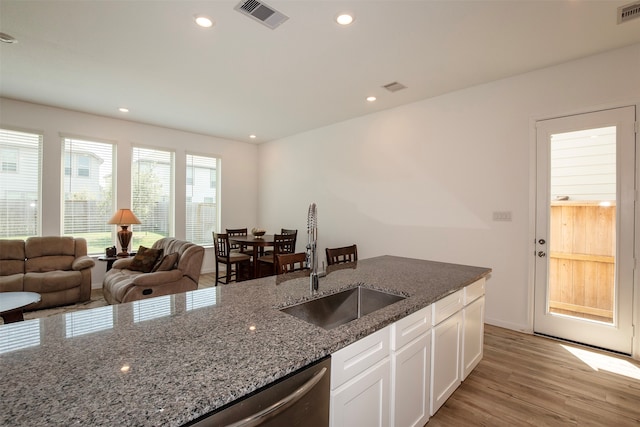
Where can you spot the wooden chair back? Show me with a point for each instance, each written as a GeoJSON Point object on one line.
{"type": "Point", "coordinates": [291, 232]}
{"type": "Point", "coordinates": [342, 255]}
{"type": "Point", "coordinates": [234, 232]}
{"type": "Point", "coordinates": [221, 245]}
{"type": "Point", "coordinates": [284, 243]}
{"type": "Point", "coordinates": [286, 263]}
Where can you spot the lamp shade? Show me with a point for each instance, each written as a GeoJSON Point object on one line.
{"type": "Point", "coordinates": [124, 216]}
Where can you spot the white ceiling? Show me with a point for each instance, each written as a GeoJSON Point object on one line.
{"type": "Point", "coordinates": [240, 77]}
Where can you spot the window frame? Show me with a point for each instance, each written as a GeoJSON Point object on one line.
{"type": "Point", "coordinates": [30, 140]}
{"type": "Point", "coordinates": [209, 182]}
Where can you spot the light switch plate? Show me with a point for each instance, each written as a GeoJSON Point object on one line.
{"type": "Point", "coordinates": [502, 216]}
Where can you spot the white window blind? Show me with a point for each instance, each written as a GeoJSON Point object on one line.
{"type": "Point", "coordinates": [20, 166]}
{"type": "Point", "coordinates": [202, 202]}
{"type": "Point", "coordinates": [88, 182]}
{"type": "Point", "coordinates": [152, 195]}
{"type": "Point", "coordinates": [19, 335]}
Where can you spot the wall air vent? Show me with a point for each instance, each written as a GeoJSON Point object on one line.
{"type": "Point", "coordinates": [394, 87]}
{"type": "Point", "coordinates": [628, 12]}
{"type": "Point", "coordinates": [262, 13]}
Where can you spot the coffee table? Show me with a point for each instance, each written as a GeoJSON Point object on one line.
{"type": "Point", "coordinates": [13, 303]}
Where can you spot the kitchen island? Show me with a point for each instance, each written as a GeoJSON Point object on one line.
{"type": "Point", "coordinates": [170, 360]}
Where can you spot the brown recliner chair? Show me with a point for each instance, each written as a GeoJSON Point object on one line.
{"type": "Point", "coordinates": [56, 267]}
{"type": "Point", "coordinates": [121, 284]}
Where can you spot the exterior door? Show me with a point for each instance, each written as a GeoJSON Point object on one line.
{"type": "Point", "coordinates": [585, 228]}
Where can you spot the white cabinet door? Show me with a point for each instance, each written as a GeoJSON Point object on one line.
{"type": "Point", "coordinates": [363, 400]}
{"type": "Point", "coordinates": [473, 337]}
{"type": "Point", "coordinates": [445, 361]}
{"type": "Point", "coordinates": [410, 382]}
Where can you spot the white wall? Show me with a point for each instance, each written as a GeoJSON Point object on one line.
{"type": "Point", "coordinates": [239, 178]}
{"type": "Point", "coordinates": [422, 180]}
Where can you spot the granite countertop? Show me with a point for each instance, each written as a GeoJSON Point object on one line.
{"type": "Point", "coordinates": [169, 360]}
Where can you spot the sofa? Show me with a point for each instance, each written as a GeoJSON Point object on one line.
{"type": "Point", "coordinates": [176, 269]}
{"type": "Point", "coordinates": [56, 267]}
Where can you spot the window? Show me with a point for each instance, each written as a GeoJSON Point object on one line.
{"type": "Point", "coordinates": [21, 159]}
{"type": "Point", "coordinates": [202, 206]}
{"type": "Point", "coordinates": [88, 197]}
{"type": "Point", "coordinates": [84, 165]}
{"type": "Point", "coordinates": [152, 195]}
{"type": "Point", "coordinates": [9, 160]}
{"type": "Point", "coordinates": [67, 164]}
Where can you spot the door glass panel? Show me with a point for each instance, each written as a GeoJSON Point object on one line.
{"type": "Point", "coordinates": [582, 240]}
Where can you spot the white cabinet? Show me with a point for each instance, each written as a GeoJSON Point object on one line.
{"type": "Point", "coordinates": [446, 340]}
{"type": "Point", "coordinates": [360, 382]}
{"type": "Point", "coordinates": [402, 374]}
{"type": "Point", "coordinates": [411, 369]}
{"type": "Point", "coordinates": [473, 327]}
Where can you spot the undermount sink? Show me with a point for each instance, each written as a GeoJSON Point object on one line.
{"type": "Point", "coordinates": [335, 310]}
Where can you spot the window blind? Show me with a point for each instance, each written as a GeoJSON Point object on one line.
{"type": "Point", "coordinates": [202, 202]}
{"type": "Point", "coordinates": [88, 182]}
{"type": "Point", "coordinates": [20, 178]}
{"type": "Point", "coordinates": [152, 195]}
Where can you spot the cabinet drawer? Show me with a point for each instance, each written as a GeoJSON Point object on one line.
{"type": "Point", "coordinates": [473, 291]}
{"type": "Point", "coordinates": [407, 329]}
{"type": "Point", "coordinates": [355, 358]}
{"type": "Point", "coordinates": [446, 306]}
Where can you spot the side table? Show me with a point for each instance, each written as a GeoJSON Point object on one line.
{"type": "Point", "coordinates": [109, 259]}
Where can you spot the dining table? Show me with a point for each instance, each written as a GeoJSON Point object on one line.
{"type": "Point", "coordinates": [256, 243]}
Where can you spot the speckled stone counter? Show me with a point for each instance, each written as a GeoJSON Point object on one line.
{"type": "Point", "coordinates": [169, 360]}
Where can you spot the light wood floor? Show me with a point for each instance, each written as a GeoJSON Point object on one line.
{"type": "Point", "coordinates": [526, 380]}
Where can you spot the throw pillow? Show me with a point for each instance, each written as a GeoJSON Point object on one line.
{"type": "Point", "coordinates": [167, 263]}
{"type": "Point", "coordinates": [145, 259]}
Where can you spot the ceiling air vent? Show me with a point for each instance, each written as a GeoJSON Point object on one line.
{"type": "Point", "coordinates": [394, 87]}
{"type": "Point", "coordinates": [261, 12]}
{"type": "Point", "coordinates": [628, 12]}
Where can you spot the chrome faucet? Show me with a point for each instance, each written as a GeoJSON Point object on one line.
{"type": "Point", "coordinates": [312, 245]}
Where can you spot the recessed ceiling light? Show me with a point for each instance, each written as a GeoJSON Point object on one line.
{"type": "Point", "coordinates": [345, 18]}
{"type": "Point", "coordinates": [371, 98]}
{"type": "Point", "coordinates": [204, 21]}
{"type": "Point", "coordinates": [123, 110]}
{"type": "Point", "coordinates": [252, 136]}
{"type": "Point", "coordinates": [7, 38]}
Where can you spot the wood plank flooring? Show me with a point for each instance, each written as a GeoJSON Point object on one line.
{"type": "Point", "coordinates": [526, 380]}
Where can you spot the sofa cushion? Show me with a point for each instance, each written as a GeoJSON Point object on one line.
{"type": "Point", "coordinates": [50, 245]}
{"type": "Point", "coordinates": [44, 264]}
{"type": "Point", "coordinates": [12, 283]}
{"type": "Point", "coordinates": [167, 263]}
{"type": "Point", "coordinates": [51, 281]}
{"type": "Point", "coordinates": [11, 266]}
{"type": "Point", "coordinates": [145, 259]}
{"type": "Point", "coordinates": [11, 257]}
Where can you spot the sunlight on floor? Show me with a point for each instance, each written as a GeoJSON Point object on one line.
{"type": "Point", "coordinates": [603, 362]}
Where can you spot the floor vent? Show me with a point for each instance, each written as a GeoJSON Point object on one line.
{"type": "Point", "coordinates": [628, 12]}
{"type": "Point", "coordinates": [394, 87]}
{"type": "Point", "coordinates": [262, 13]}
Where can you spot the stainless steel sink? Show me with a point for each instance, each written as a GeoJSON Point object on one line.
{"type": "Point", "coordinates": [337, 309]}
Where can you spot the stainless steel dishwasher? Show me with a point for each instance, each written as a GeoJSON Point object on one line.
{"type": "Point", "coordinates": [300, 399]}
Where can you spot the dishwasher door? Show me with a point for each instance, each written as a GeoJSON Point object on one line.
{"type": "Point", "coordinates": [301, 399]}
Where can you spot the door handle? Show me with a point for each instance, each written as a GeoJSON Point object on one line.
{"type": "Point", "coordinates": [270, 411]}
{"type": "Point", "coordinates": [542, 241]}
{"type": "Point", "coordinates": [542, 254]}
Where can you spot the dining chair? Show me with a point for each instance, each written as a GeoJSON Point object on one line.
{"type": "Point", "coordinates": [282, 244]}
{"type": "Point", "coordinates": [234, 261]}
{"type": "Point", "coordinates": [342, 255]}
{"type": "Point", "coordinates": [234, 232]}
{"type": "Point", "coordinates": [286, 231]}
{"type": "Point", "coordinates": [286, 263]}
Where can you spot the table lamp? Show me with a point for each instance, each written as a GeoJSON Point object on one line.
{"type": "Point", "coordinates": [123, 218]}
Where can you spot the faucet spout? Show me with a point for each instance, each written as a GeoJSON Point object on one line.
{"type": "Point", "coordinates": [312, 245]}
